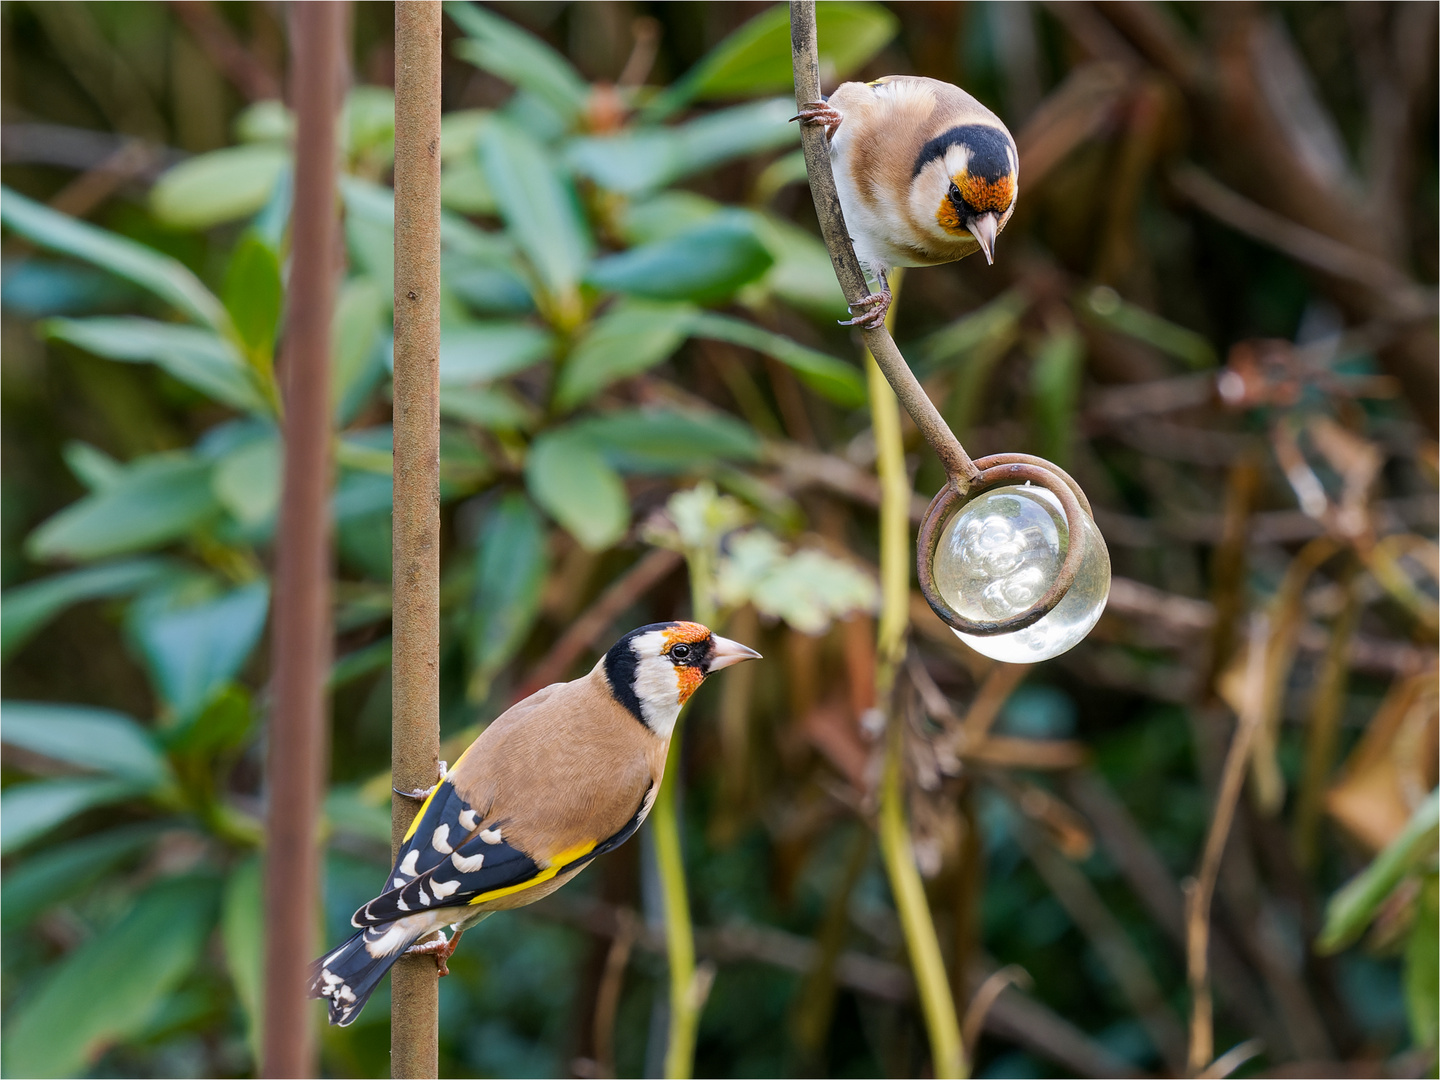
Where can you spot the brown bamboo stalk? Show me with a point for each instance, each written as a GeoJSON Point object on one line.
{"type": "Point", "coordinates": [415, 723]}
{"type": "Point", "coordinates": [302, 633]}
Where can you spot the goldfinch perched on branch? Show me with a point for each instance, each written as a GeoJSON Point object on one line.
{"type": "Point", "coordinates": [925, 174]}
{"type": "Point", "coordinates": [559, 778]}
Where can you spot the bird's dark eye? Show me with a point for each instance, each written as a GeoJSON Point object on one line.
{"type": "Point", "coordinates": [680, 652]}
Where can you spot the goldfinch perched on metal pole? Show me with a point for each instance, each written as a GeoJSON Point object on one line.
{"type": "Point", "coordinates": [559, 778]}
{"type": "Point", "coordinates": [925, 173]}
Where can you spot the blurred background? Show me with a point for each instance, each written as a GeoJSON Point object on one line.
{"type": "Point", "coordinates": [1215, 306]}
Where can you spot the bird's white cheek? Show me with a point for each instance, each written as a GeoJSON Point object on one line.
{"type": "Point", "coordinates": [659, 694]}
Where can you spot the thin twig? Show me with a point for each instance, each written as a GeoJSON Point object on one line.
{"type": "Point", "coordinates": [218, 41]}
{"type": "Point", "coordinates": [1200, 890]}
{"type": "Point", "coordinates": [1402, 296]}
{"type": "Point", "coordinates": [984, 999]}
{"type": "Point", "coordinates": [1015, 1016]}
{"type": "Point", "coordinates": [607, 999]}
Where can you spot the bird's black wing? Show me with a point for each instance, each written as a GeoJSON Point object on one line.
{"type": "Point", "coordinates": [452, 857]}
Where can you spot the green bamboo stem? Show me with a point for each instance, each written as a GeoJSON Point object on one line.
{"type": "Point", "coordinates": [931, 982]}
{"type": "Point", "coordinates": [686, 995]}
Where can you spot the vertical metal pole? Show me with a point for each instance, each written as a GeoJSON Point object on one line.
{"type": "Point", "coordinates": [415, 723]}
{"type": "Point", "coordinates": [302, 634]}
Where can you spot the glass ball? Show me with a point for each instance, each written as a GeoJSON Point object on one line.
{"type": "Point", "coordinates": [1000, 554]}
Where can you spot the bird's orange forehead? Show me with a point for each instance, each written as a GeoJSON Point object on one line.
{"type": "Point", "coordinates": [985, 194]}
{"type": "Point", "coordinates": [688, 632]}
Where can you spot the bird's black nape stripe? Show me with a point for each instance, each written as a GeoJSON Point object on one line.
{"type": "Point", "coordinates": [621, 664]}
{"type": "Point", "coordinates": [989, 150]}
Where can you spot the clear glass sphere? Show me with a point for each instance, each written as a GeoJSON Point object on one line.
{"type": "Point", "coordinates": [999, 555]}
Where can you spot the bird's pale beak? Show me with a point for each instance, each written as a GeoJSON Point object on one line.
{"type": "Point", "coordinates": [984, 228]}
{"type": "Point", "coordinates": [727, 653]}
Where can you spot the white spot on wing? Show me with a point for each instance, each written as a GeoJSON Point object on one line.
{"type": "Point", "coordinates": [491, 836]}
{"type": "Point", "coordinates": [424, 896]}
{"type": "Point", "coordinates": [443, 889]}
{"type": "Point", "coordinates": [440, 841]}
{"type": "Point", "coordinates": [467, 864]}
{"type": "Point", "coordinates": [407, 865]}
{"type": "Point", "coordinates": [467, 820]}
{"type": "Point", "coordinates": [398, 883]}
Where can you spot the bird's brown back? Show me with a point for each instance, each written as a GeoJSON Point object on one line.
{"type": "Point", "coordinates": [566, 766]}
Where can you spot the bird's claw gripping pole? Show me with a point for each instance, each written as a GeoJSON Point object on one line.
{"type": "Point", "coordinates": [966, 477]}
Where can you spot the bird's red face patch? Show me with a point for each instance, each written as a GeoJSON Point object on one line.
{"type": "Point", "coordinates": [688, 677]}
{"type": "Point", "coordinates": [985, 194]}
{"type": "Point", "coordinates": [688, 680]}
{"type": "Point", "coordinates": [687, 632]}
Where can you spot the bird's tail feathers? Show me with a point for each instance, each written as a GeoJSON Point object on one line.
{"type": "Point", "coordinates": [347, 976]}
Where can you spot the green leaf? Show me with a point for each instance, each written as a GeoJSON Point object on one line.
{"type": "Point", "coordinates": [538, 205]}
{"type": "Point", "coordinates": [808, 589]}
{"type": "Point", "coordinates": [755, 59]}
{"type": "Point", "coordinates": [349, 809]}
{"type": "Point", "coordinates": [1105, 308]}
{"type": "Point", "coordinates": [480, 352]}
{"type": "Point", "coordinates": [357, 361]}
{"type": "Point", "coordinates": [570, 479]}
{"type": "Point", "coordinates": [113, 985]}
{"type": "Point", "coordinates": [98, 739]}
{"type": "Point", "coordinates": [368, 122]}
{"type": "Point", "coordinates": [246, 480]}
{"type": "Point", "coordinates": [464, 189]}
{"type": "Point", "coordinates": [223, 185]}
{"type": "Point", "coordinates": [265, 121]}
{"type": "Point", "coordinates": [57, 874]}
{"type": "Point", "coordinates": [459, 132]}
{"type": "Point", "coordinates": [490, 288]}
{"type": "Point", "coordinates": [842, 383]}
{"type": "Point", "coordinates": [500, 47]}
{"type": "Point", "coordinates": [705, 264]}
{"type": "Point", "coordinates": [803, 274]}
{"type": "Point", "coordinates": [197, 357]}
{"type": "Point", "coordinates": [665, 214]}
{"type": "Point", "coordinates": [365, 660]}
{"type": "Point", "coordinates": [632, 337]}
{"type": "Point", "coordinates": [668, 440]}
{"type": "Point", "coordinates": [167, 278]}
{"type": "Point", "coordinates": [93, 467]}
{"type": "Point", "coordinates": [1351, 909]}
{"type": "Point", "coordinates": [242, 932]}
{"type": "Point", "coordinates": [193, 651]}
{"type": "Point", "coordinates": [510, 568]}
{"type": "Point", "coordinates": [1055, 386]}
{"type": "Point", "coordinates": [35, 287]}
{"type": "Point", "coordinates": [984, 329]}
{"type": "Point", "coordinates": [159, 499]}
{"type": "Point", "coordinates": [28, 811]}
{"type": "Point", "coordinates": [253, 291]}
{"type": "Point", "coordinates": [643, 159]}
{"type": "Point", "coordinates": [26, 608]}
{"type": "Point", "coordinates": [495, 408]}
{"type": "Point", "coordinates": [224, 723]}
{"type": "Point", "coordinates": [1422, 970]}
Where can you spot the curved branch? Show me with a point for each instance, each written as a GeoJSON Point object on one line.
{"type": "Point", "coordinates": [897, 372]}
